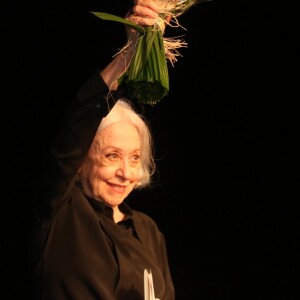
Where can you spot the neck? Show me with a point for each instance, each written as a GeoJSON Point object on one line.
{"type": "Point", "coordinates": [118, 215]}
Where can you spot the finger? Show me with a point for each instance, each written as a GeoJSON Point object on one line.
{"type": "Point", "coordinates": [144, 11]}
{"type": "Point", "coordinates": [155, 6]}
{"type": "Point", "coordinates": [142, 21]}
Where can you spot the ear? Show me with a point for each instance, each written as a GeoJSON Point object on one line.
{"type": "Point", "coordinates": [137, 184]}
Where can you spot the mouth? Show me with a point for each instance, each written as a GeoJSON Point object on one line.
{"type": "Point", "coordinates": [117, 188]}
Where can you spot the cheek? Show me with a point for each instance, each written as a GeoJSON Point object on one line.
{"type": "Point", "coordinates": [107, 172]}
{"type": "Point", "coordinates": [136, 174]}
{"type": "Point", "coordinates": [104, 172]}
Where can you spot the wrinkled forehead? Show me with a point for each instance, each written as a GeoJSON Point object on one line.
{"type": "Point", "coordinates": [120, 135]}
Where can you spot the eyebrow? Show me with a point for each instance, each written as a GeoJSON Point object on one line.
{"type": "Point", "coordinates": [118, 149]}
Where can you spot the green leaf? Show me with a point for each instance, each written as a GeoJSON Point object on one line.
{"type": "Point", "coordinates": [110, 17]}
{"type": "Point", "coordinates": [147, 77]}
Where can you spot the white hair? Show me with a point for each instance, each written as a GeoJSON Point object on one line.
{"type": "Point", "coordinates": [123, 111]}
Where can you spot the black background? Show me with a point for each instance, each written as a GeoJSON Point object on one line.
{"type": "Point", "coordinates": [224, 194]}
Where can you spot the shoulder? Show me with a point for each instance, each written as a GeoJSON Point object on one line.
{"type": "Point", "coordinates": [146, 226]}
{"type": "Point", "coordinates": [143, 219]}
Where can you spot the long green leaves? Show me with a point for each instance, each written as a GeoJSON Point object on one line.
{"type": "Point", "coordinates": [147, 77]}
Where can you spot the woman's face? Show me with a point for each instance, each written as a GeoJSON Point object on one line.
{"type": "Point", "coordinates": [110, 170]}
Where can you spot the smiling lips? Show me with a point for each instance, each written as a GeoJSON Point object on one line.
{"type": "Point", "coordinates": [118, 188]}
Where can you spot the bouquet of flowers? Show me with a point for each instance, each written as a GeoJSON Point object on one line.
{"type": "Point", "coordinates": [147, 76]}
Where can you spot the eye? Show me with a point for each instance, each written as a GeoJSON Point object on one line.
{"type": "Point", "coordinates": [135, 159]}
{"type": "Point", "coordinates": [112, 156]}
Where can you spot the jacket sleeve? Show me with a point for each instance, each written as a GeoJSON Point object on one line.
{"type": "Point", "coordinates": [62, 161]}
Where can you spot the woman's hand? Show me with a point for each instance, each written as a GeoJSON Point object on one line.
{"type": "Point", "coordinates": [145, 13]}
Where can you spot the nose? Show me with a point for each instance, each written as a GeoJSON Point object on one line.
{"type": "Point", "coordinates": [124, 170]}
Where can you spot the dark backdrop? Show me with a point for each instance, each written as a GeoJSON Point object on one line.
{"type": "Point", "coordinates": [225, 139]}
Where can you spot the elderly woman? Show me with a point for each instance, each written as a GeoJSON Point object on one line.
{"type": "Point", "coordinates": [88, 243]}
